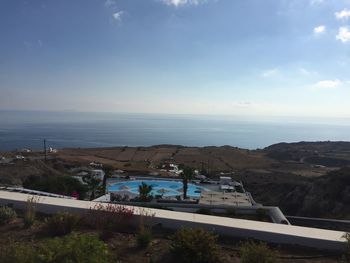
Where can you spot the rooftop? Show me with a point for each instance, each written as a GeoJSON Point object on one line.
{"type": "Point", "coordinates": [222, 198]}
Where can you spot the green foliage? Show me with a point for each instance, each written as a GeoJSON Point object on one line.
{"type": "Point", "coordinates": [30, 212]}
{"type": "Point", "coordinates": [92, 186]}
{"type": "Point", "coordinates": [195, 246]}
{"type": "Point", "coordinates": [61, 223]}
{"type": "Point", "coordinates": [144, 191]}
{"type": "Point", "coordinates": [204, 211]}
{"type": "Point", "coordinates": [82, 248]}
{"type": "Point", "coordinates": [73, 248]}
{"type": "Point", "coordinates": [108, 169]}
{"type": "Point", "coordinates": [14, 252]}
{"type": "Point", "coordinates": [64, 185]}
{"type": "Point", "coordinates": [251, 252]}
{"type": "Point", "coordinates": [7, 214]}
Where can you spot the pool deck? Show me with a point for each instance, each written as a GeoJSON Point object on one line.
{"type": "Point", "coordinates": [269, 232]}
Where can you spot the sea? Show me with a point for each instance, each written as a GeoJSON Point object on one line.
{"type": "Point", "coordinates": [28, 129]}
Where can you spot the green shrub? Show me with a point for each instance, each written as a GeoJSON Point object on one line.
{"type": "Point", "coordinates": [64, 185]}
{"type": "Point", "coordinates": [72, 248]}
{"type": "Point", "coordinates": [30, 212]}
{"type": "Point", "coordinates": [14, 252]}
{"type": "Point", "coordinates": [251, 252]}
{"type": "Point", "coordinates": [7, 214]}
{"type": "Point", "coordinates": [84, 248]}
{"type": "Point", "coordinates": [195, 246]}
{"type": "Point", "coordinates": [61, 223]}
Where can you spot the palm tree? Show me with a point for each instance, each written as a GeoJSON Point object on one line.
{"type": "Point", "coordinates": [108, 171]}
{"type": "Point", "coordinates": [187, 174]}
{"type": "Point", "coordinates": [93, 185]}
{"type": "Point", "coordinates": [144, 191]}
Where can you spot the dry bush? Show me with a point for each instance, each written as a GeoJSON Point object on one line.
{"type": "Point", "coordinates": [251, 252]}
{"type": "Point", "coordinates": [61, 224]}
{"type": "Point", "coordinates": [109, 218]}
{"type": "Point", "coordinates": [7, 214]}
{"type": "Point", "coordinates": [195, 246]}
{"type": "Point", "coordinates": [30, 212]}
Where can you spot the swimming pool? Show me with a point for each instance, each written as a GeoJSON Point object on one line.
{"type": "Point", "coordinates": [159, 187]}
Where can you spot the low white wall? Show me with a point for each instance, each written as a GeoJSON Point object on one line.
{"type": "Point", "coordinates": [273, 212]}
{"type": "Point", "coordinates": [269, 232]}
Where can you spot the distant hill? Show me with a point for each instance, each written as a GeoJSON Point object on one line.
{"type": "Point", "coordinates": [330, 154]}
{"type": "Point", "coordinates": [323, 146]}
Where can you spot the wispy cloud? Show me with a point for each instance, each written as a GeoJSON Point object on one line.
{"type": "Point", "coordinates": [111, 3]}
{"type": "Point", "coordinates": [33, 44]}
{"type": "Point", "coordinates": [177, 3]}
{"type": "Point", "coordinates": [328, 84]}
{"type": "Point", "coordinates": [306, 72]}
{"type": "Point", "coordinates": [118, 15]}
{"type": "Point", "coordinates": [316, 2]}
{"type": "Point", "coordinates": [270, 73]}
{"type": "Point", "coordinates": [319, 30]}
{"type": "Point", "coordinates": [343, 34]}
{"type": "Point", "coordinates": [343, 15]}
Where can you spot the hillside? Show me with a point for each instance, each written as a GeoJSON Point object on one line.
{"type": "Point", "coordinates": [326, 196]}
{"type": "Point", "coordinates": [330, 154]}
{"type": "Point", "coordinates": [287, 175]}
{"type": "Point", "coordinates": [216, 159]}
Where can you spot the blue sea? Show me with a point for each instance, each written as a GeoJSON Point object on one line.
{"type": "Point", "coordinates": [19, 129]}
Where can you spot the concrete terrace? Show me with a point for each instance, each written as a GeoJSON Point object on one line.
{"type": "Point", "coordinates": [269, 232]}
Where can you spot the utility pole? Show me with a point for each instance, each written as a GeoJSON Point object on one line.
{"type": "Point", "coordinates": [45, 150]}
{"type": "Point", "coordinates": [208, 170]}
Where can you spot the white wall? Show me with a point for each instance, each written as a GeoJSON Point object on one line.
{"type": "Point", "coordinates": [269, 232]}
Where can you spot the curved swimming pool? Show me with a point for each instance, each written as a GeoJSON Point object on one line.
{"type": "Point", "coordinates": [159, 187]}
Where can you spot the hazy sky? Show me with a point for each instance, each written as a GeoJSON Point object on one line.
{"type": "Point", "coordinates": [239, 57]}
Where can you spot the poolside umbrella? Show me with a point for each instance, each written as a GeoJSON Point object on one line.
{"type": "Point", "coordinates": [162, 191]}
{"type": "Point", "coordinates": [124, 187]}
{"type": "Point", "coordinates": [180, 190]}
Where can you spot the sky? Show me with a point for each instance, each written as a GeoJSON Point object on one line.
{"type": "Point", "coordinates": [211, 57]}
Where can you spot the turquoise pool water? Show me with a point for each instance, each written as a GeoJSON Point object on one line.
{"type": "Point", "coordinates": [165, 188]}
